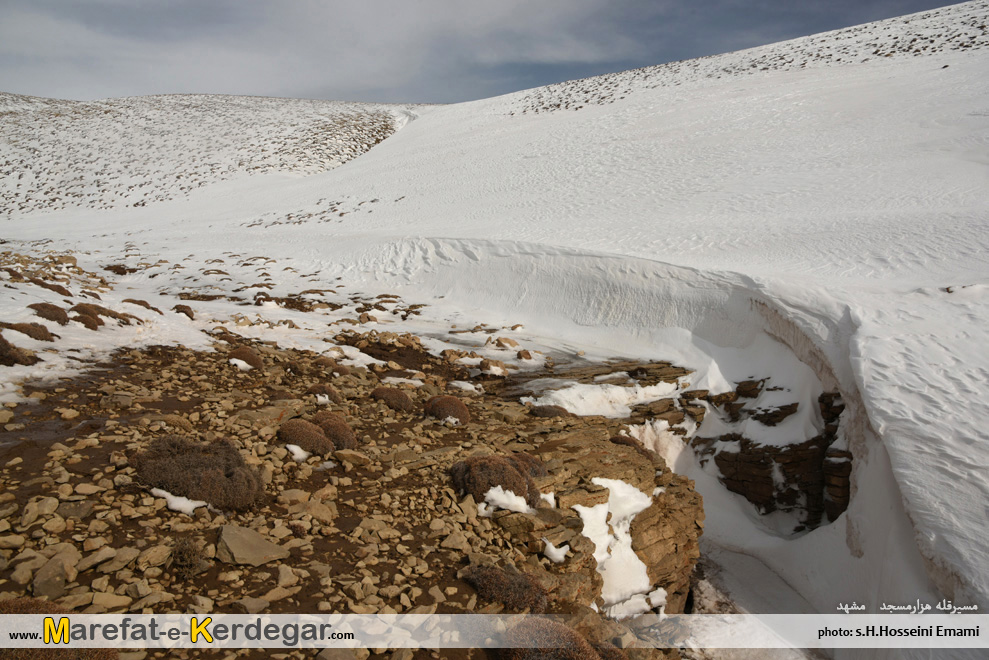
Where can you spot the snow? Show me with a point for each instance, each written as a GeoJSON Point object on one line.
{"type": "Point", "coordinates": [177, 502]}
{"type": "Point", "coordinates": [499, 498]}
{"type": "Point", "coordinates": [555, 554]}
{"type": "Point", "coordinates": [299, 454]}
{"type": "Point", "coordinates": [607, 526]}
{"type": "Point", "coordinates": [812, 212]}
{"type": "Point", "coordinates": [240, 364]}
{"type": "Point", "coordinates": [605, 400]}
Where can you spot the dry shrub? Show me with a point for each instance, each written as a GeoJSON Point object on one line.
{"type": "Point", "coordinates": [478, 474]}
{"type": "Point", "coordinates": [214, 473]}
{"type": "Point", "coordinates": [188, 559]}
{"type": "Point", "coordinates": [248, 355]}
{"type": "Point", "coordinates": [528, 464]}
{"type": "Point", "coordinates": [394, 398]}
{"type": "Point", "coordinates": [516, 591]}
{"type": "Point", "coordinates": [11, 355]}
{"type": "Point", "coordinates": [91, 322]}
{"type": "Point", "coordinates": [96, 311]}
{"type": "Point", "coordinates": [50, 312]}
{"type": "Point", "coordinates": [548, 640]}
{"type": "Point", "coordinates": [306, 435]}
{"type": "Point", "coordinates": [444, 406]}
{"type": "Point", "coordinates": [336, 428]}
{"type": "Point", "coordinates": [57, 288]}
{"type": "Point", "coordinates": [326, 390]}
{"type": "Point", "coordinates": [38, 606]}
{"type": "Point", "coordinates": [549, 411]}
{"type": "Point", "coordinates": [35, 331]}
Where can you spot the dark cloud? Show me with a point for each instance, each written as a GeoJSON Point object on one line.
{"type": "Point", "coordinates": [422, 51]}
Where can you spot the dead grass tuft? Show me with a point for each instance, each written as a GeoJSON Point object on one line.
{"type": "Point", "coordinates": [516, 591]}
{"type": "Point", "coordinates": [548, 640]}
{"type": "Point", "coordinates": [91, 322]}
{"type": "Point", "coordinates": [336, 428]}
{"type": "Point", "coordinates": [188, 559]}
{"type": "Point", "coordinates": [50, 312]}
{"type": "Point", "coordinates": [248, 355]}
{"type": "Point", "coordinates": [326, 390]}
{"type": "Point", "coordinates": [394, 398]}
{"type": "Point", "coordinates": [444, 406]}
{"type": "Point", "coordinates": [478, 474]}
{"type": "Point", "coordinates": [10, 355]}
{"type": "Point", "coordinates": [35, 331]}
{"type": "Point", "coordinates": [306, 435]}
{"type": "Point", "coordinates": [38, 606]}
{"type": "Point", "coordinates": [215, 472]}
{"type": "Point", "coordinates": [96, 311]}
{"type": "Point", "coordinates": [549, 411]}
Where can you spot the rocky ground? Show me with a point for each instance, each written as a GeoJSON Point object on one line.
{"type": "Point", "coordinates": [376, 528]}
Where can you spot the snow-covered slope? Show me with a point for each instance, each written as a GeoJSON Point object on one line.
{"type": "Point", "coordinates": [130, 152]}
{"type": "Point", "coordinates": [830, 192]}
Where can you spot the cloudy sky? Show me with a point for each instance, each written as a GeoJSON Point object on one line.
{"type": "Point", "coordinates": [381, 50]}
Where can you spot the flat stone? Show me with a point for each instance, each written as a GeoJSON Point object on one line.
{"type": "Point", "coordinates": [239, 545]}
{"type": "Point", "coordinates": [278, 593]}
{"type": "Point", "coordinates": [78, 510]}
{"type": "Point", "coordinates": [105, 553]}
{"type": "Point", "coordinates": [38, 508]}
{"type": "Point", "coordinates": [11, 541]}
{"type": "Point", "coordinates": [154, 556]}
{"type": "Point", "coordinates": [456, 541]}
{"type": "Point", "coordinates": [50, 580]}
{"type": "Point", "coordinates": [111, 601]}
{"type": "Point", "coordinates": [251, 605]}
{"type": "Point", "coordinates": [351, 456]}
{"type": "Point", "coordinates": [123, 557]}
{"type": "Point", "coordinates": [336, 654]}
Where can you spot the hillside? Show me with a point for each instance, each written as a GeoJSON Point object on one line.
{"type": "Point", "coordinates": [801, 226]}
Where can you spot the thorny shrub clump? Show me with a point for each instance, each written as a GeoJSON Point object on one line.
{"type": "Point", "coordinates": [516, 591]}
{"type": "Point", "coordinates": [445, 406]}
{"type": "Point", "coordinates": [478, 474]}
{"type": "Point", "coordinates": [215, 472]}
{"type": "Point", "coordinates": [394, 398]}
{"type": "Point", "coordinates": [306, 435]}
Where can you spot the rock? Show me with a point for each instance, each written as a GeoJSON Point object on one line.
{"type": "Point", "coordinates": [105, 553]}
{"type": "Point", "coordinates": [351, 456]}
{"type": "Point", "coordinates": [250, 605]}
{"type": "Point", "coordinates": [239, 545]}
{"type": "Point", "coordinates": [456, 541]}
{"type": "Point", "coordinates": [50, 581]}
{"type": "Point", "coordinates": [437, 594]}
{"type": "Point", "coordinates": [79, 510]}
{"type": "Point", "coordinates": [11, 541]}
{"type": "Point", "coordinates": [336, 654]}
{"type": "Point", "coordinates": [38, 508]}
{"type": "Point", "coordinates": [286, 576]}
{"type": "Point", "coordinates": [324, 513]}
{"type": "Point", "coordinates": [138, 589]}
{"type": "Point", "coordinates": [123, 557]}
{"type": "Point", "coordinates": [153, 556]}
{"type": "Point", "coordinates": [87, 489]}
{"type": "Point", "coordinates": [278, 593]}
{"type": "Point", "coordinates": [6, 415]}
{"type": "Point", "coordinates": [111, 601]}
{"type": "Point", "coordinates": [75, 601]}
